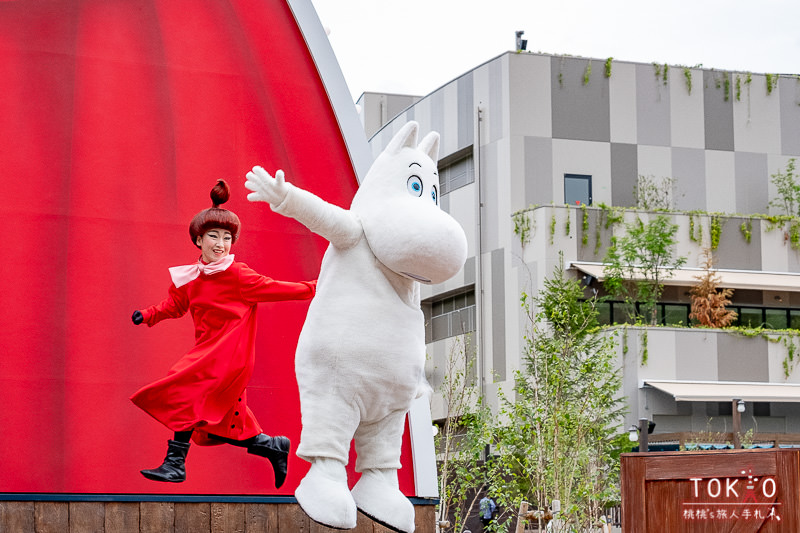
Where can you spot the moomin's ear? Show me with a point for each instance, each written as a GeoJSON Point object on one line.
{"type": "Point", "coordinates": [405, 138]}
{"type": "Point", "coordinates": [430, 145]}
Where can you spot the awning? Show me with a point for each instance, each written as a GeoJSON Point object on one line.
{"type": "Point", "coordinates": [726, 391]}
{"type": "Point", "coordinates": [732, 279]}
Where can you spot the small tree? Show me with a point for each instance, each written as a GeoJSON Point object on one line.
{"type": "Point", "coordinates": [708, 300]}
{"type": "Point", "coordinates": [638, 262]}
{"type": "Point", "coordinates": [654, 194]}
{"type": "Point", "coordinates": [461, 440]}
{"type": "Point", "coordinates": [788, 190]}
{"type": "Point", "coordinates": [558, 436]}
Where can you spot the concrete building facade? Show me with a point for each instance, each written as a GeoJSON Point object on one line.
{"type": "Point", "coordinates": [566, 139]}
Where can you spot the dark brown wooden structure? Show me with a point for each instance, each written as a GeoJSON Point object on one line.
{"type": "Point", "coordinates": [738, 491]}
{"type": "Point", "coordinates": [83, 515]}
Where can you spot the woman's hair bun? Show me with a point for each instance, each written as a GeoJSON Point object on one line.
{"type": "Point", "coordinates": [220, 193]}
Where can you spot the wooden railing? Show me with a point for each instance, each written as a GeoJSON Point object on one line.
{"type": "Point", "coordinates": [684, 438]}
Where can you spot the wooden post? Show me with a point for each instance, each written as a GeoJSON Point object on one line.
{"type": "Point", "coordinates": [737, 424]}
{"type": "Point", "coordinates": [643, 427]}
{"type": "Point", "coordinates": [523, 510]}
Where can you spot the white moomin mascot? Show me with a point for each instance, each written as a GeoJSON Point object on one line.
{"type": "Point", "coordinates": [361, 353]}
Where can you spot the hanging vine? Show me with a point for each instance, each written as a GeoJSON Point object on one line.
{"type": "Point", "coordinates": [687, 75]}
{"type": "Point", "coordinates": [523, 228]}
{"type": "Point", "coordinates": [772, 82]}
{"type": "Point", "coordinates": [584, 225]}
{"type": "Point", "coordinates": [747, 229]}
{"type": "Point", "coordinates": [715, 231]}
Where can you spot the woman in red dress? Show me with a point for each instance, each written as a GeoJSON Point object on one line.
{"type": "Point", "coordinates": [203, 396]}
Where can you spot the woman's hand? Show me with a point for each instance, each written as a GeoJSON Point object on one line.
{"type": "Point", "coordinates": [137, 317]}
{"type": "Point", "coordinates": [266, 188]}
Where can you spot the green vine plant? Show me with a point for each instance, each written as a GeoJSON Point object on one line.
{"type": "Point", "coordinates": [726, 82]}
{"type": "Point", "coordinates": [738, 88]}
{"type": "Point", "coordinates": [585, 225]}
{"type": "Point", "coordinates": [772, 82]}
{"type": "Point", "coordinates": [552, 226]}
{"type": "Point", "coordinates": [715, 231]}
{"type": "Point", "coordinates": [587, 72]}
{"type": "Point", "coordinates": [598, 237]}
{"type": "Point", "coordinates": [747, 229]}
{"type": "Point", "coordinates": [523, 227]}
{"type": "Point", "coordinates": [790, 361]}
{"type": "Point", "coordinates": [644, 352]}
{"type": "Point", "coordinates": [624, 340]}
{"type": "Point", "coordinates": [687, 76]}
{"type": "Point", "coordinates": [654, 194]}
{"type": "Point", "coordinates": [657, 71]}
{"type": "Point", "coordinates": [607, 66]}
{"type": "Point", "coordinates": [661, 72]}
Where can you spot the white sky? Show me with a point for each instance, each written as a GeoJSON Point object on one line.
{"type": "Point", "coordinates": [416, 46]}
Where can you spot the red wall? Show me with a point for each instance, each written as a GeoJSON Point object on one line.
{"type": "Point", "coordinates": [116, 120]}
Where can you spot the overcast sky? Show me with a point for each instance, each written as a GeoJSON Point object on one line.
{"type": "Point", "coordinates": [416, 46]}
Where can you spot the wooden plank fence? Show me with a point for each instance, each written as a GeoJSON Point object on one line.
{"type": "Point", "coordinates": [176, 517]}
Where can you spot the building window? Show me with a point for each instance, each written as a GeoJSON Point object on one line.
{"type": "Point", "coordinates": [577, 189]}
{"type": "Point", "coordinates": [456, 175]}
{"type": "Point", "coordinates": [451, 316]}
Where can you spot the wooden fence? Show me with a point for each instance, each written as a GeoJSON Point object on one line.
{"type": "Point", "coordinates": [20, 516]}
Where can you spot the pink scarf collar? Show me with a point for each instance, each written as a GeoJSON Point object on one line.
{"type": "Point", "coordinates": [181, 275]}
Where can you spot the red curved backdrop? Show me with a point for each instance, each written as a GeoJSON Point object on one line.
{"type": "Point", "coordinates": [116, 120]}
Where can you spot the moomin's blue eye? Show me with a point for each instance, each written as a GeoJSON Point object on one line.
{"type": "Point", "coordinates": [434, 195]}
{"type": "Point", "coordinates": [414, 186]}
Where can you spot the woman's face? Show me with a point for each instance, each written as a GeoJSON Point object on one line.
{"type": "Point", "coordinates": [215, 244]}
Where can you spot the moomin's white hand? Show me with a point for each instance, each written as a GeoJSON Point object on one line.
{"type": "Point", "coordinates": [266, 188]}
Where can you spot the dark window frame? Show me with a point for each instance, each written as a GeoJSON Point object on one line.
{"type": "Point", "coordinates": [584, 177]}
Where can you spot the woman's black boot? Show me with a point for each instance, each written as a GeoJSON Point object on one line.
{"type": "Point", "coordinates": [173, 470]}
{"type": "Point", "coordinates": [276, 450]}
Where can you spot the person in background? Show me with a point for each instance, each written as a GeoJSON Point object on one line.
{"type": "Point", "coordinates": [487, 509]}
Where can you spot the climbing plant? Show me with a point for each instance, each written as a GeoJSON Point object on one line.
{"type": "Point", "coordinates": [788, 188]}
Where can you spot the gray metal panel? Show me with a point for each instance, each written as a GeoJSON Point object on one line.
{"type": "Point", "coordinates": [580, 111]}
{"type": "Point", "coordinates": [752, 182]}
{"type": "Point", "coordinates": [491, 196]}
{"type": "Point", "coordinates": [624, 174]}
{"type": "Point", "coordinates": [499, 314]}
{"type": "Point", "coordinates": [741, 358]}
{"type": "Point", "coordinates": [469, 271]}
{"type": "Point", "coordinates": [734, 252]}
{"type": "Point", "coordinates": [437, 111]}
{"type": "Point", "coordinates": [652, 108]}
{"type": "Point", "coordinates": [718, 112]}
{"type": "Point", "coordinates": [789, 90]}
{"type": "Point", "coordinates": [538, 161]}
{"type": "Point", "coordinates": [444, 202]}
{"type": "Point", "coordinates": [496, 114]}
{"type": "Point", "coordinates": [466, 110]}
{"type": "Point", "coordinates": [689, 172]}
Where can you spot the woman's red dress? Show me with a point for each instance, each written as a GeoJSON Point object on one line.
{"type": "Point", "coordinates": [205, 390]}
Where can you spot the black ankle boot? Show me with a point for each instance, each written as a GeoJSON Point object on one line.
{"type": "Point", "coordinates": [276, 450]}
{"type": "Point", "coordinates": [173, 469]}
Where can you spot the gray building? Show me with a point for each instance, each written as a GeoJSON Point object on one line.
{"type": "Point", "coordinates": [569, 139]}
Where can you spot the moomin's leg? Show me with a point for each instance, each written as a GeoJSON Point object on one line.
{"type": "Point", "coordinates": [377, 493]}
